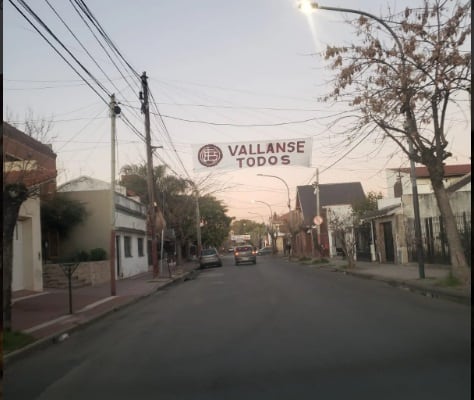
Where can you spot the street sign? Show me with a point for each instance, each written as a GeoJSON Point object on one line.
{"type": "Point", "coordinates": [318, 220]}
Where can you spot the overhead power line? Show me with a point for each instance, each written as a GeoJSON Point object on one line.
{"type": "Point", "coordinates": [239, 125]}
{"type": "Point", "coordinates": [45, 27]}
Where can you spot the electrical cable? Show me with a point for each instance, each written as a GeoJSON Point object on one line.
{"type": "Point", "coordinates": [60, 54]}
{"type": "Point", "coordinates": [239, 125]}
{"type": "Point", "coordinates": [82, 46]}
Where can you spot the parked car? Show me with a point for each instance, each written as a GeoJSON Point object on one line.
{"type": "Point", "coordinates": [265, 251]}
{"type": "Point", "coordinates": [245, 254]}
{"type": "Point", "coordinates": [230, 250]}
{"type": "Point", "coordinates": [210, 258]}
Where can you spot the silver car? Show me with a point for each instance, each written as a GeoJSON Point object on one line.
{"type": "Point", "coordinates": [245, 253]}
{"type": "Point", "coordinates": [209, 258]}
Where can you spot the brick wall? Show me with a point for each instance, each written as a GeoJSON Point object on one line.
{"type": "Point", "coordinates": [86, 274]}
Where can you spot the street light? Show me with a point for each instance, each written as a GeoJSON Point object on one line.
{"type": "Point", "coordinates": [268, 205]}
{"type": "Point", "coordinates": [307, 6]}
{"type": "Point", "coordinates": [289, 202]}
{"type": "Point", "coordinates": [260, 215]}
{"type": "Point", "coordinates": [287, 188]}
{"type": "Point", "coordinates": [271, 220]}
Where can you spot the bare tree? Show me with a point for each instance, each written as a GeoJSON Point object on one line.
{"type": "Point", "coordinates": [404, 92]}
{"type": "Point", "coordinates": [343, 225]}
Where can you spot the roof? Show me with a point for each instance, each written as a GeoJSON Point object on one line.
{"type": "Point", "coordinates": [330, 194]}
{"type": "Point", "coordinates": [15, 134]}
{"type": "Point", "coordinates": [83, 183]}
{"type": "Point", "coordinates": [449, 170]}
{"type": "Point", "coordinates": [26, 160]}
{"type": "Point", "coordinates": [460, 183]}
{"type": "Point", "coordinates": [383, 212]}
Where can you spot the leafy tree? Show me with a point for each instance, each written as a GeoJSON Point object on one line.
{"type": "Point", "coordinates": [368, 204]}
{"type": "Point", "coordinates": [252, 228]}
{"type": "Point", "coordinates": [176, 198]}
{"type": "Point", "coordinates": [404, 92]}
{"type": "Point", "coordinates": [216, 227]}
{"type": "Point", "coordinates": [134, 177]}
{"type": "Point", "coordinates": [343, 224]}
{"type": "Point", "coordinates": [60, 214]}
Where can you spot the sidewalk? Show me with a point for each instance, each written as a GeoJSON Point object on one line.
{"type": "Point", "coordinates": [405, 276]}
{"type": "Point", "coordinates": [45, 315]}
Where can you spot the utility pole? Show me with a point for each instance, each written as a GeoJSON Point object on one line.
{"type": "Point", "coordinates": [150, 178]}
{"type": "Point", "coordinates": [316, 221]}
{"type": "Point", "coordinates": [162, 248]}
{"type": "Point", "coordinates": [198, 224]}
{"type": "Point", "coordinates": [114, 111]}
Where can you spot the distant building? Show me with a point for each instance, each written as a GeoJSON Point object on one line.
{"type": "Point", "coordinates": [333, 198]}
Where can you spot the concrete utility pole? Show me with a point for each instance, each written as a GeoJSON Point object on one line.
{"type": "Point", "coordinates": [114, 111]}
{"type": "Point", "coordinates": [290, 220]}
{"type": "Point", "coordinates": [316, 192]}
{"type": "Point", "coordinates": [150, 177]}
{"type": "Point", "coordinates": [198, 224]}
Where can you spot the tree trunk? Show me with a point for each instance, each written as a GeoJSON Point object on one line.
{"type": "Point", "coordinates": [13, 197]}
{"type": "Point", "coordinates": [459, 266]}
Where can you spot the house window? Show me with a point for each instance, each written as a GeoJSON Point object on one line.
{"type": "Point", "coordinates": [140, 247]}
{"type": "Point", "coordinates": [127, 244]}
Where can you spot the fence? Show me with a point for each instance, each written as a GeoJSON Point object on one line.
{"type": "Point", "coordinates": [434, 239]}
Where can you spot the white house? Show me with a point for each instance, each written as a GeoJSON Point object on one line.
{"type": "Point", "coordinates": [392, 223]}
{"type": "Point", "coordinates": [129, 223]}
{"type": "Point", "coordinates": [28, 161]}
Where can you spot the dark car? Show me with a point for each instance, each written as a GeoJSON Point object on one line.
{"type": "Point", "coordinates": [210, 258]}
{"type": "Point", "coordinates": [265, 251]}
{"type": "Point", "coordinates": [245, 253]}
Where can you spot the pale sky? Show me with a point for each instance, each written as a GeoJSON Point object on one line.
{"type": "Point", "coordinates": [243, 63]}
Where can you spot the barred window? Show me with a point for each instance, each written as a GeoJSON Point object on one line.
{"type": "Point", "coordinates": [127, 244]}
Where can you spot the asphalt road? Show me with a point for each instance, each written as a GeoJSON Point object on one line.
{"type": "Point", "coordinates": [268, 331]}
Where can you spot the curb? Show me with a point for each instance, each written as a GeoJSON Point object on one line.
{"type": "Point", "coordinates": [440, 293]}
{"type": "Point", "coordinates": [445, 294]}
{"type": "Point", "coordinates": [58, 337]}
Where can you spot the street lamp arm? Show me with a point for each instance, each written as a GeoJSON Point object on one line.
{"type": "Point", "coordinates": [281, 179]}
{"type": "Point", "coordinates": [366, 14]}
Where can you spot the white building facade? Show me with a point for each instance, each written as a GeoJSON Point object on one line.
{"type": "Point", "coordinates": [131, 254]}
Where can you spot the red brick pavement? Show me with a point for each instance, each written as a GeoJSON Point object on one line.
{"type": "Point", "coordinates": [47, 313]}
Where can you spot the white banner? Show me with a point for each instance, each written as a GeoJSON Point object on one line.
{"type": "Point", "coordinates": [263, 153]}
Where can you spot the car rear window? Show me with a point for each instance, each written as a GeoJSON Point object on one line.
{"type": "Point", "coordinates": [244, 248]}
{"type": "Point", "coordinates": [208, 252]}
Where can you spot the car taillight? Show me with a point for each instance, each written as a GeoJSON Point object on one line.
{"type": "Point", "coordinates": [236, 253]}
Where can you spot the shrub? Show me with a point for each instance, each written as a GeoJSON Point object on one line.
{"type": "Point", "coordinates": [320, 261]}
{"type": "Point", "coordinates": [98, 254]}
{"type": "Point", "coordinates": [82, 256]}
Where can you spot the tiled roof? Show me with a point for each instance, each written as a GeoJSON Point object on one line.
{"type": "Point", "coordinates": [383, 212]}
{"type": "Point", "coordinates": [460, 183]}
{"type": "Point", "coordinates": [330, 194]}
{"type": "Point", "coordinates": [449, 170]}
